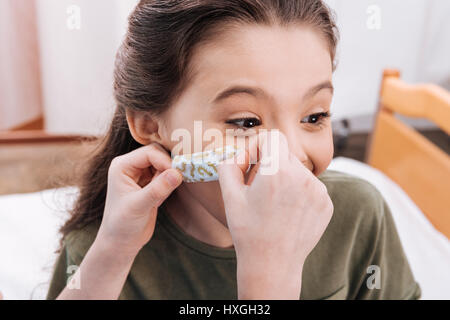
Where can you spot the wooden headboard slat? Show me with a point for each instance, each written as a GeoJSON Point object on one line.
{"type": "Point", "coordinates": [417, 165]}
{"type": "Point", "coordinates": [420, 101]}
{"type": "Point", "coordinates": [39, 136]}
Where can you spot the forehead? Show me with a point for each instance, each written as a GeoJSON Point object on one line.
{"type": "Point", "coordinates": [274, 57]}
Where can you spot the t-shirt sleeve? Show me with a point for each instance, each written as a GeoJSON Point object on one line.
{"type": "Point", "coordinates": [64, 268]}
{"type": "Point", "coordinates": [75, 246]}
{"type": "Point", "coordinates": [59, 277]}
{"type": "Point", "coordinates": [389, 275]}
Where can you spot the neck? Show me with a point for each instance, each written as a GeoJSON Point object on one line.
{"type": "Point", "coordinates": [198, 219]}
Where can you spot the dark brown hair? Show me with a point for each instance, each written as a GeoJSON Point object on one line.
{"type": "Point", "coordinates": [152, 69]}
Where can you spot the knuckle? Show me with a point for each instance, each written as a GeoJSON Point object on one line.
{"type": "Point", "coordinates": [116, 163]}
{"type": "Point", "coordinates": [323, 188]}
{"type": "Point", "coordinates": [153, 146]}
{"type": "Point", "coordinates": [307, 182]}
{"type": "Point", "coordinates": [156, 147]}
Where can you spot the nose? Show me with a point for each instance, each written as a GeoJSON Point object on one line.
{"type": "Point", "coordinates": [296, 146]}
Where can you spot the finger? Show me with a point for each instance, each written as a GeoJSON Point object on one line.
{"type": "Point", "coordinates": [231, 174]}
{"type": "Point", "coordinates": [299, 165]}
{"type": "Point", "coordinates": [145, 177]}
{"type": "Point", "coordinates": [255, 148]}
{"type": "Point", "coordinates": [160, 187]}
{"type": "Point", "coordinates": [132, 163]}
{"type": "Point", "coordinates": [242, 160]}
{"type": "Point", "coordinates": [252, 158]}
{"type": "Point", "coordinates": [252, 174]}
{"type": "Point", "coordinates": [273, 152]}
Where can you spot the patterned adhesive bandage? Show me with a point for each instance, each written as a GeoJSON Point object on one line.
{"type": "Point", "coordinates": [202, 166]}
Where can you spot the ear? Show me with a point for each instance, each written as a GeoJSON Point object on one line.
{"type": "Point", "coordinates": [143, 127]}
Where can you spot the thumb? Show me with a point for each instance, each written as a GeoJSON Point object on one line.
{"type": "Point", "coordinates": [161, 186]}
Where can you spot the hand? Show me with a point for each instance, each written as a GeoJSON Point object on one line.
{"type": "Point", "coordinates": [276, 220]}
{"type": "Point", "coordinates": [138, 183]}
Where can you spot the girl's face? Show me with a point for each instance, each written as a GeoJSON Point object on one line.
{"type": "Point", "coordinates": [262, 78]}
{"type": "Point", "coordinates": [275, 78]}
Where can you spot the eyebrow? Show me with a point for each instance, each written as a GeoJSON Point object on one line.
{"type": "Point", "coordinates": [258, 92]}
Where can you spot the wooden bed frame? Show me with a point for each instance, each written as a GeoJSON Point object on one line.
{"type": "Point", "coordinates": [418, 166]}
{"type": "Point", "coordinates": [34, 132]}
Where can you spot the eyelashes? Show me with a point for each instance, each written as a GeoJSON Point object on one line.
{"type": "Point", "coordinates": [242, 122]}
{"type": "Point", "coordinates": [321, 118]}
{"type": "Point", "coordinates": [318, 120]}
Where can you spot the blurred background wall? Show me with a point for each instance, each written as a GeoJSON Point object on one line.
{"type": "Point", "coordinates": [20, 82]}
{"type": "Point", "coordinates": [75, 43]}
{"type": "Point", "coordinates": [78, 44]}
{"type": "Point", "coordinates": [410, 35]}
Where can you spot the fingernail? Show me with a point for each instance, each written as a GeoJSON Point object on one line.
{"type": "Point", "coordinates": [173, 178]}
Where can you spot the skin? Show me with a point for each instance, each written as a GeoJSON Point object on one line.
{"type": "Point", "coordinates": [255, 56]}
{"type": "Point", "coordinates": [283, 62]}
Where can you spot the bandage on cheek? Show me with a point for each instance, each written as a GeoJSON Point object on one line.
{"type": "Point", "coordinates": [202, 166]}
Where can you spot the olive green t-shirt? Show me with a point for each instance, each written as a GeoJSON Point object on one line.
{"type": "Point", "coordinates": [358, 257]}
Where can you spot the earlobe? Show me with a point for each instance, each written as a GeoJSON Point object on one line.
{"type": "Point", "coordinates": [143, 127]}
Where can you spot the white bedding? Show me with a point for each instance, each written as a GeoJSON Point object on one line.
{"type": "Point", "coordinates": [29, 236]}
{"type": "Point", "coordinates": [427, 250]}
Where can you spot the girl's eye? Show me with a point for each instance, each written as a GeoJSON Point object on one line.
{"type": "Point", "coordinates": [316, 119]}
{"type": "Point", "coordinates": [245, 123]}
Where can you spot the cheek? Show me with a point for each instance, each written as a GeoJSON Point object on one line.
{"type": "Point", "coordinates": [321, 152]}
{"type": "Point", "coordinates": [193, 135]}
{"type": "Point", "coordinates": [178, 129]}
